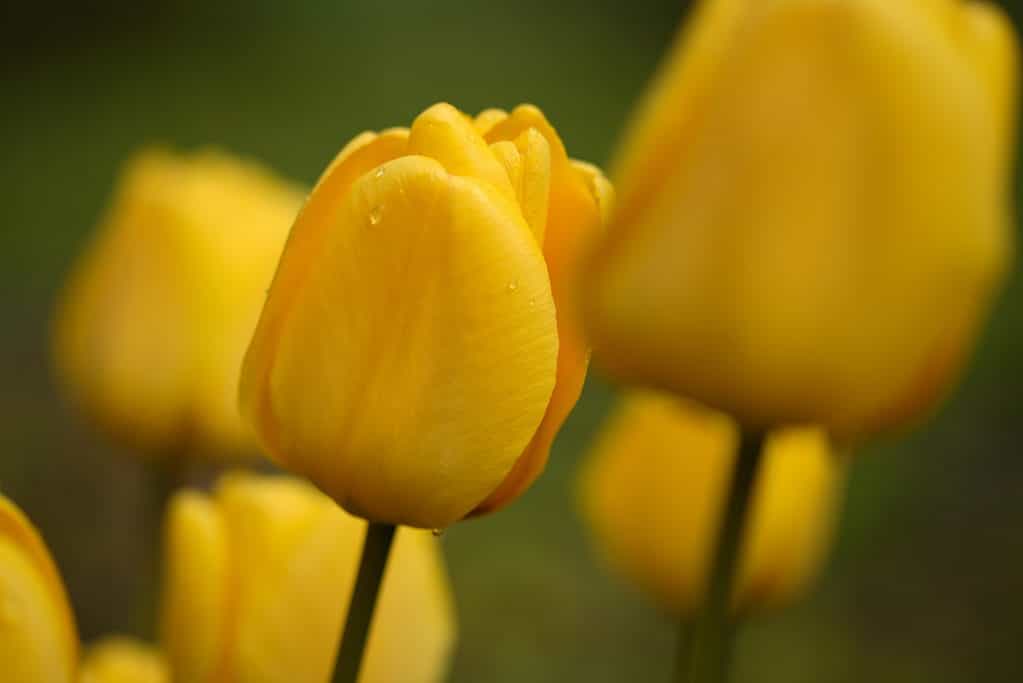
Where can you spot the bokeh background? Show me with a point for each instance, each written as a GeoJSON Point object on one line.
{"type": "Point", "coordinates": [926, 581]}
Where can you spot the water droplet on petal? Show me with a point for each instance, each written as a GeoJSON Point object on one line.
{"type": "Point", "coordinates": [437, 532]}
{"type": "Point", "coordinates": [374, 215]}
{"type": "Point", "coordinates": [532, 303]}
{"type": "Point", "coordinates": [513, 285]}
{"type": "Point", "coordinates": [379, 173]}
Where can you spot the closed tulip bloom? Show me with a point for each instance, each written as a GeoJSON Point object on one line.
{"type": "Point", "coordinates": [252, 577]}
{"type": "Point", "coordinates": [123, 660]}
{"type": "Point", "coordinates": [653, 492]}
{"type": "Point", "coordinates": [157, 314]}
{"type": "Point", "coordinates": [813, 213]}
{"type": "Point", "coordinates": [417, 352]}
{"type": "Point", "coordinates": [38, 638]}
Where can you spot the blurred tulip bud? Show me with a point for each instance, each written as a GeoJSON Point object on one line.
{"type": "Point", "coordinates": [123, 660]}
{"type": "Point", "coordinates": [155, 319]}
{"type": "Point", "coordinates": [251, 585]}
{"type": "Point", "coordinates": [813, 213]}
{"type": "Point", "coordinates": [38, 638]}
{"type": "Point", "coordinates": [654, 489]}
{"type": "Point", "coordinates": [416, 354]}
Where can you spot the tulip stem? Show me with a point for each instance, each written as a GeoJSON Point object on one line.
{"type": "Point", "coordinates": [375, 552]}
{"type": "Point", "coordinates": [705, 645]}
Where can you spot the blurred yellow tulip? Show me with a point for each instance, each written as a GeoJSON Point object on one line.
{"type": "Point", "coordinates": [813, 213]}
{"type": "Point", "coordinates": [154, 321]}
{"type": "Point", "coordinates": [653, 491]}
{"type": "Point", "coordinates": [38, 638]}
{"type": "Point", "coordinates": [253, 586]}
{"type": "Point", "coordinates": [416, 354]}
{"type": "Point", "coordinates": [123, 660]}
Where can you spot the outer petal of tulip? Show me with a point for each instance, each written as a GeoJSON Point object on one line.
{"type": "Point", "coordinates": [38, 638]}
{"type": "Point", "coordinates": [653, 491]}
{"type": "Point", "coordinates": [123, 660]}
{"type": "Point", "coordinates": [412, 359]}
{"type": "Point", "coordinates": [157, 314]}
{"type": "Point", "coordinates": [813, 215]}
{"type": "Point", "coordinates": [284, 545]}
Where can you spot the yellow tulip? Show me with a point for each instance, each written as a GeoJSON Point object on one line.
{"type": "Point", "coordinates": [38, 638]}
{"type": "Point", "coordinates": [417, 353]}
{"type": "Point", "coordinates": [813, 213]}
{"type": "Point", "coordinates": [123, 660]}
{"type": "Point", "coordinates": [155, 319]}
{"type": "Point", "coordinates": [653, 492]}
{"type": "Point", "coordinates": [253, 586]}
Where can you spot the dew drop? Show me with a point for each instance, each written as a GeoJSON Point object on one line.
{"type": "Point", "coordinates": [532, 303]}
{"type": "Point", "coordinates": [437, 532]}
{"type": "Point", "coordinates": [374, 215]}
{"type": "Point", "coordinates": [513, 285]}
{"type": "Point", "coordinates": [379, 173]}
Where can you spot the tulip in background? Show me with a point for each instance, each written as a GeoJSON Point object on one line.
{"type": "Point", "coordinates": [38, 637]}
{"type": "Point", "coordinates": [123, 660]}
{"type": "Point", "coordinates": [155, 319]}
{"type": "Point", "coordinates": [653, 492]}
{"type": "Point", "coordinates": [813, 212]}
{"type": "Point", "coordinates": [250, 582]}
{"type": "Point", "coordinates": [417, 352]}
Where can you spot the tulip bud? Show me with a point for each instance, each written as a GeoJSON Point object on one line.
{"type": "Point", "coordinates": [154, 321]}
{"type": "Point", "coordinates": [417, 352]}
{"type": "Point", "coordinates": [252, 581]}
{"type": "Point", "coordinates": [38, 638]}
{"type": "Point", "coordinates": [813, 213]}
{"type": "Point", "coordinates": [123, 660]}
{"type": "Point", "coordinates": [653, 492]}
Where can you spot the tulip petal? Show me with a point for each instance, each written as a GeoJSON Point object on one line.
{"type": "Point", "coordinates": [426, 330]}
{"type": "Point", "coordinates": [573, 218]}
{"type": "Point", "coordinates": [38, 639]}
{"type": "Point", "coordinates": [443, 133]}
{"type": "Point", "coordinates": [361, 155]}
{"type": "Point", "coordinates": [194, 627]}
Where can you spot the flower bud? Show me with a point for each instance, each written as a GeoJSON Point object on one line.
{"type": "Point", "coordinates": [123, 660]}
{"type": "Point", "coordinates": [417, 352]}
{"type": "Point", "coordinates": [813, 210]}
{"type": "Point", "coordinates": [155, 318]}
{"type": "Point", "coordinates": [653, 492]}
{"type": "Point", "coordinates": [38, 638]}
{"type": "Point", "coordinates": [252, 583]}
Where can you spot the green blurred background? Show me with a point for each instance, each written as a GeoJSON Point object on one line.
{"type": "Point", "coordinates": [926, 582]}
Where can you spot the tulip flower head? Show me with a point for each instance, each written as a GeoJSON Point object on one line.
{"type": "Point", "coordinates": [813, 213]}
{"type": "Point", "coordinates": [38, 638]}
{"type": "Point", "coordinates": [156, 317]}
{"type": "Point", "coordinates": [653, 492]}
{"type": "Point", "coordinates": [251, 584]}
{"type": "Point", "coordinates": [417, 352]}
{"type": "Point", "coordinates": [118, 659]}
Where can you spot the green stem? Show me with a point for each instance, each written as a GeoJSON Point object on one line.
{"type": "Point", "coordinates": [364, 598]}
{"type": "Point", "coordinates": [705, 646]}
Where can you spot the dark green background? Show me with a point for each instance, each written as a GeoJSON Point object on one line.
{"type": "Point", "coordinates": [926, 583]}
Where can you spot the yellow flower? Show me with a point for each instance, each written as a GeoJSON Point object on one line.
{"type": "Point", "coordinates": [154, 321]}
{"type": "Point", "coordinates": [653, 492]}
{"type": "Point", "coordinates": [813, 213]}
{"type": "Point", "coordinates": [255, 582]}
{"type": "Point", "coordinates": [416, 354]}
{"type": "Point", "coordinates": [38, 638]}
{"type": "Point", "coordinates": [123, 660]}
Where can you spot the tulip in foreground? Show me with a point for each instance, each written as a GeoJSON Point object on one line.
{"type": "Point", "coordinates": [813, 210]}
{"type": "Point", "coordinates": [653, 492]}
{"type": "Point", "coordinates": [417, 352]}
{"type": "Point", "coordinates": [250, 589]}
{"type": "Point", "coordinates": [157, 314]}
